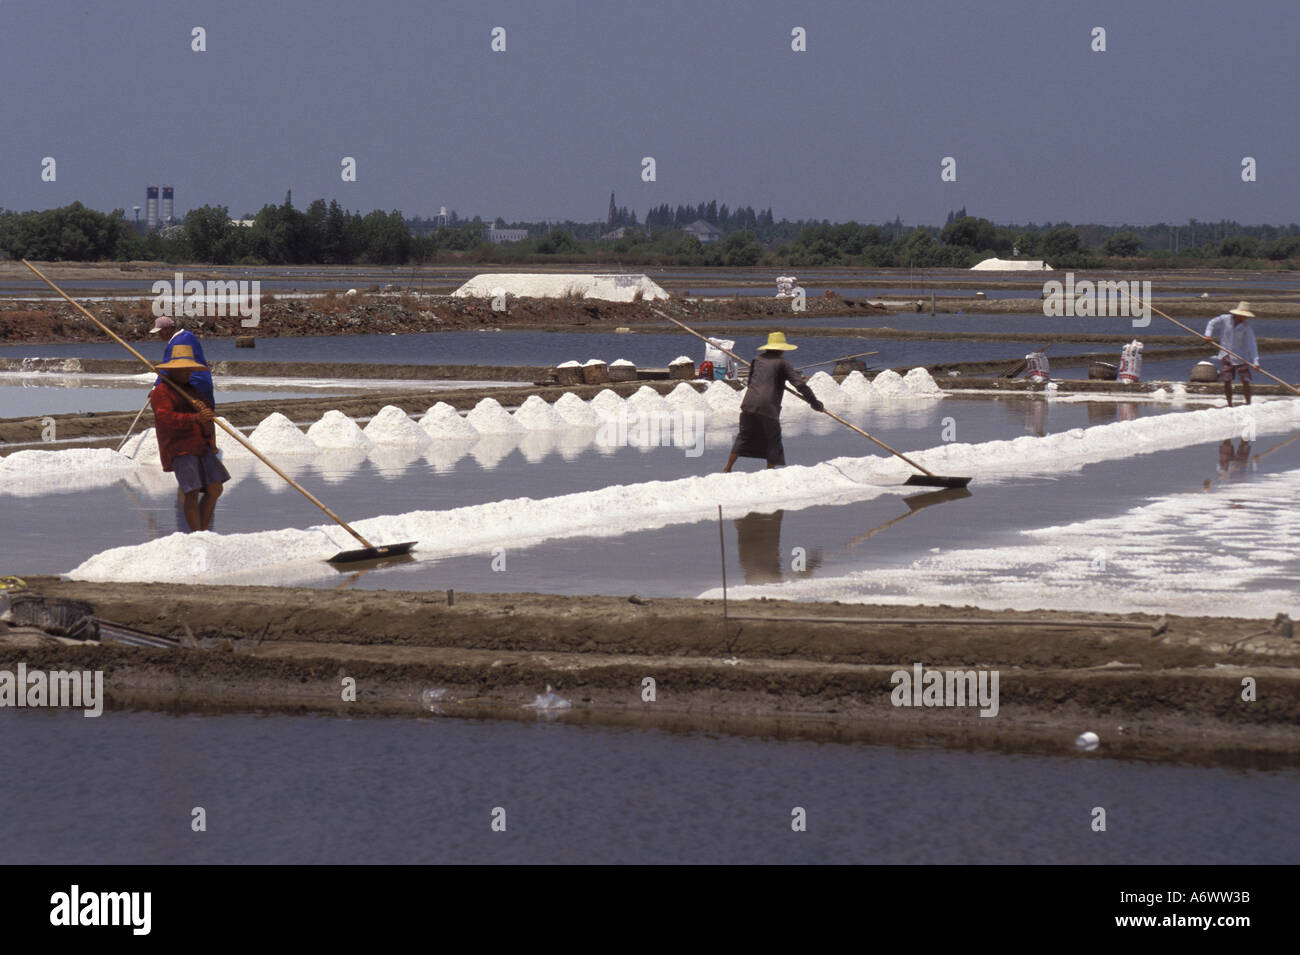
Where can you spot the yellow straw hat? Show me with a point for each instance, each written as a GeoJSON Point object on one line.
{"type": "Point", "coordinates": [776, 342]}
{"type": "Point", "coordinates": [182, 357]}
{"type": "Point", "coordinates": [1242, 309]}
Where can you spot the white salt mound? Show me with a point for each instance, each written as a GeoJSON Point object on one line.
{"type": "Point", "coordinates": [824, 386]}
{"type": "Point", "coordinates": [38, 464]}
{"type": "Point", "coordinates": [686, 398]}
{"type": "Point", "coordinates": [623, 363]}
{"type": "Point", "coordinates": [488, 417]}
{"type": "Point", "coordinates": [856, 386]}
{"type": "Point", "coordinates": [889, 384]}
{"type": "Point", "coordinates": [444, 421]}
{"type": "Point", "coordinates": [593, 361]}
{"type": "Point", "coordinates": [143, 448]}
{"type": "Point", "coordinates": [394, 426]}
{"type": "Point", "coordinates": [278, 435]}
{"type": "Point", "coordinates": [569, 364]}
{"type": "Point", "coordinates": [607, 404]}
{"type": "Point", "coordinates": [228, 446]}
{"type": "Point", "coordinates": [336, 430]}
{"type": "Point", "coordinates": [722, 398]}
{"type": "Point", "coordinates": [536, 415]}
{"type": "Point", "coordinates": [646, 401]}
{"type": "Point", "coordinates": [920, 383]}
{"type": "Point", "coordinates": [828, 392]}
{"type": "Point", "coordinates": [575, 411]}
{"type": "Point", "coordinates": [681, 360]}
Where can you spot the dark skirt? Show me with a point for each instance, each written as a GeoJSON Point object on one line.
{"type": "Point", "coordinates": [759, 437]}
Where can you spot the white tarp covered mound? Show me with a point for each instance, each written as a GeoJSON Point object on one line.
{"type": "Point", "coordinates": [1011, 265]}
{"type": "Point", "coordinates": [611, 287]}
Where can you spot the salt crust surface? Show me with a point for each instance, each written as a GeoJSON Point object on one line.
{"type": "Point", "coordinates": [1187, 554]}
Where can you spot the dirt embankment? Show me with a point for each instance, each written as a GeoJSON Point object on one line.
{"type": "Point", "coordinates": [385, 313]}
{"type": "Point", "coordinates": [1169, 689]}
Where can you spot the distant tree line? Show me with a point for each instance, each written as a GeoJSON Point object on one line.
{"type": "Point", "coordinates": [327, 234]}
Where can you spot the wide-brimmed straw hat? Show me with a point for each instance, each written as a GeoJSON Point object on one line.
{"type": "Point", "coordinates": [776, 342]}
{"type": "Point", "coordinates": [164, 321]}
{"type": "Point", "coordinates": [182, 357]}
{"type": "Point", "coordinates": [1242, 309]}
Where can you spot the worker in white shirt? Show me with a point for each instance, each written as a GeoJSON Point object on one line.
{"type": "Point", "coordinates": [1234, 335]}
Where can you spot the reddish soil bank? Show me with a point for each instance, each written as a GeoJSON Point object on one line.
{"type": "Point", "coordinates": [1173, 695]}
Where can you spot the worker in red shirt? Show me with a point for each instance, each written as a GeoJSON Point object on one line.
{"type": "Point", "coordinates": [187, 438]}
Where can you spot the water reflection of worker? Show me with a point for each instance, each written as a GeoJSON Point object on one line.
{"type": "Point", "coordinates": [758, 539]}
{"type": "Point", "coordinates": [1036, 417]}
{"type": "Point", "coordinates": [1234, 462]}
{"type": "Point", "coordinates": [1100, 412]}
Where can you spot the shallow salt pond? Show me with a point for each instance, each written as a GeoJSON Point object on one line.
{"type": "Point", "coordinates": [55, 532]}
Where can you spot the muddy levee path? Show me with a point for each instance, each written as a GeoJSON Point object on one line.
{"type": "Point", "coordinates": [1167, 689]}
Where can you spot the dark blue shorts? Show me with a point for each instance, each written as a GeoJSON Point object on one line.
{"type": "Point", "coordinates": [194, 473]}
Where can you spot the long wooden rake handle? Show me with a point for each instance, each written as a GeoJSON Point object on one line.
{"type": "Point", "coordinates": [224, 427]}
{"type": "Point", "coordinates": [829, 414]}
{"type": "Point", "coordinates": [1284, 384]}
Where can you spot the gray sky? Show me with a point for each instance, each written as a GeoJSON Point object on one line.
{"type": "Point", "coordinates": [1042, 128]}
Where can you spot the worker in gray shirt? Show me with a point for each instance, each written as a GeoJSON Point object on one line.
{"type": "Point", "coordinates": [1234, 335]}
{"type": "Point", "coordinates": [760, 410]}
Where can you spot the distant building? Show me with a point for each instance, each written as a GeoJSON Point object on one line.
{"type": "Point", "coordinates": [151, 208]}
{"type": "Point", "coordinates": [703, 231]}
{"type": "Point", "coordinates": [619, 233]}
{"type": "Point", "coordinates": [506, 235]}
{"type": "Point", "coordinates": [242, 223]}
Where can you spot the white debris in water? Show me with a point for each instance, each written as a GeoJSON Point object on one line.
{"type": "Point", "coordinates": [335, 430]}
{"type": "Point", "coordinates": [278, 435]}
{"type": "Point", "coordinates": [549, 700]}
{"type": "Point", "coordinates": [394, 426]}
{"type": "Point", "coordinates": [536, 415]}
{"type": "Point", "coordinates": [575, 411]}
{"type": "Point", "coordinates": [921, 384]}
{"type": "Point", "coordinates": [616, 510]}
{"type": "Point", "coordinates": [682, 360]}
{"type": "Point", "coordinates": [890, 384]}
{"type": "Point", "coordinates": [622, 363]}
{"type": "Point", "coordinates": [444, 421]}
{"type": "Point", "coordinates": [488, 417]}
